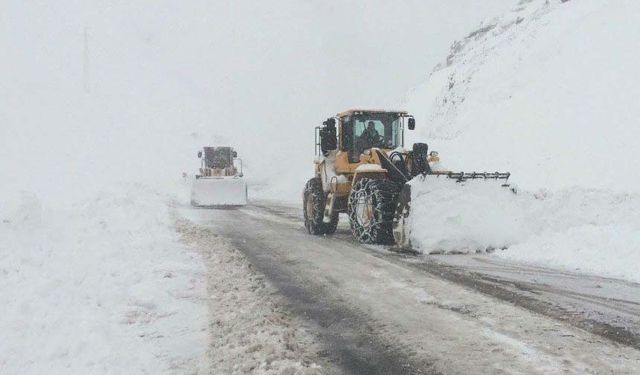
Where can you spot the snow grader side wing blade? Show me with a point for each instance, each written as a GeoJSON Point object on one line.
{"type": "Point", "coordinates": [464, 176]}
{"type": "Point", "coordinates": [401, 230]}
{"type": "Point", "coordinates": [218, 192]}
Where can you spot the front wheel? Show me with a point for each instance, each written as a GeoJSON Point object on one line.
{"type": "Point", "coordinates": [371, 208]}
{"type": "Point", "coordinates": [314, 201]}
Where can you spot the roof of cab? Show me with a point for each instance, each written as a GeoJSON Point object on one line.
{"type": "Point", "coordinates": [355, 111]}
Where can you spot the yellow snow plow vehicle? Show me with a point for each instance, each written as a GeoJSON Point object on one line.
{"type": "Point", "coordinates": [362, 169]}
{"type": "Point", "coordinates": [220, 181]}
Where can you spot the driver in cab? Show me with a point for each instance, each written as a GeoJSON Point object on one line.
{"type": "Point", "coordinates": [370, 135]}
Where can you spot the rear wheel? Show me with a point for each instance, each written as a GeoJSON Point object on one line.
{"type": "Point", "coordinates": [314, 201]}
{"type": "Point", "coordinates": [371, 208]}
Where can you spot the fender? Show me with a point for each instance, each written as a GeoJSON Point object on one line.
{"type": "Point", "coordinates": [369, 171]}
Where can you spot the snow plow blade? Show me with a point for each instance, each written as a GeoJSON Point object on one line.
{"type": "Point", "coordinates": [401, 232]}
{"type": "Point", "coordinates": [219, 192]}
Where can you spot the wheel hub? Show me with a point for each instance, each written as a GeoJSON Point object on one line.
{"type": "Point", "coordinates": [310, 206]}
{"type": "Point", "coordinates": [364, 210]}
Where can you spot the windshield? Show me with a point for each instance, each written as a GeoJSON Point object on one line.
{"type": "Point", "coordinates": [382, 130]}
{"type": "Point", "coordinates": [218, 157]}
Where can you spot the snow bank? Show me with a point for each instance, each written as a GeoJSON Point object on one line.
{"type": "Point", "coordinates": [577, 229]}
{"type": "Point", "coordinates": [546, 91]}
{"type": "Point", "coordinates": [92, 145]}
{"type": "Point", "coordinates": [102, 286]}
{"type": "Point", "coordinates": [250, 333]}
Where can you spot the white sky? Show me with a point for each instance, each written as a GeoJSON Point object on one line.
{"type": "Point", "coordinates": [175, 75]}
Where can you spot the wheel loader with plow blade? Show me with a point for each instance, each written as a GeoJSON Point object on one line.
{"type": "Point", "coordinates": [362, 169]}
{"type": "Point", "coordinates": [220, 181]}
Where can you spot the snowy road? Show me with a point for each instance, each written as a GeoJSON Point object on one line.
{"type": "Point", "coordinates": [379, 312]}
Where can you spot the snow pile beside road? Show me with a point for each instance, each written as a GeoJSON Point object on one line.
{"type": "Point", "coordinates": [101, 286]}
{"type": "Point", "coordinates": [586, 230]}
{"type": "Point", "coordinates": [547, 92]}
{"type": "Point", "coordinates": [249, 333]}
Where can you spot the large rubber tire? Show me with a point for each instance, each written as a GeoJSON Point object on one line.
{"type": "Point", "coordinates": [371, 208]}
{"type": "Point", "coordinates": [313, 204]}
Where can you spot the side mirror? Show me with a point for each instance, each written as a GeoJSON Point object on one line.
{"type": "Point", "coordinates": [199, 154]}
{"type": "Point", "coordinates": [412, 123]}
{"type": "Point", "coordinates": [234, 154]}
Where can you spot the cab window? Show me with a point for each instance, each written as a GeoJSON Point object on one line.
{"type": "Point", "coordinates": [361, 125]}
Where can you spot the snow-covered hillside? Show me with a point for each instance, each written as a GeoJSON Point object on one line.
{"type": "Point", "coordinates": [546, 91]}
